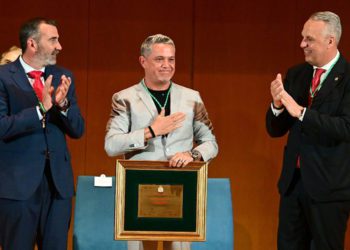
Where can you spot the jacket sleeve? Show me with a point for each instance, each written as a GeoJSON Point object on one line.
{"type": "Point", "coordinates": [72, 123]}
{"type": "Point", "coordinates": [278, 126]}
{"type": "Point", "coordinates": [203, 132]}
{"type": "Point", "coordinates": [119, 139]}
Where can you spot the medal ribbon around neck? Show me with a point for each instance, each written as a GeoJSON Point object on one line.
{"type": "Point", "coordinates": [154, 98]}
{"type": "Point", "coordinates": [325, 74]}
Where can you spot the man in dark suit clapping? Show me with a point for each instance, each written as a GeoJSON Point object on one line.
{"type": "Point", "coordinates": [312, 104]}
{"type": "Point", "coordinates": [38, 108]}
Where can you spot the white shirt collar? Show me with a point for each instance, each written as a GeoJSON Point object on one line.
{"type": "Point", "coordinates": [27, 68]}
{"type": "Point", "coordinates": [331, 63]}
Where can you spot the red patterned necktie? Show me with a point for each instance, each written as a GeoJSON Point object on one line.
{"type": "Point", "coordinates": [315, 82]}
{"type": "Point", "coordinates": [316, 79]}
{"type": "Point", "coordinates": [38, 85]}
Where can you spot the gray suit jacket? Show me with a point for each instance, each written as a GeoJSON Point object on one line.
{"type": "Point", "coordinates": [133, 110]}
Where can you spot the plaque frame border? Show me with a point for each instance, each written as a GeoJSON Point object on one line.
{"type": "Point", "coordinates": [201, 202]}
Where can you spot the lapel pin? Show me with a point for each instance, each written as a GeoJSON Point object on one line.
{"type": "Point", "coordinates": [336, 78]}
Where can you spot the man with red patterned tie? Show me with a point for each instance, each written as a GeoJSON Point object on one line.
{"type": "Point", "coordinates": [38, 108]}
{"type": "Point", "coordinates": [312, 105]}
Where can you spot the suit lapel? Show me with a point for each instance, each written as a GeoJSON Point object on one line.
{"type": "Point", "coordinates": [175, 106]}
{"type": "Point", "coordinates": [19, 76]}
{"type": "Point", "coordinates": [52, 70]}
{"type": "Point", "coordinates": [146, 99]}
{"type": "Point", "coordinates": [175, 96]}
{"type": "Point", "coordinates": [334, 77]}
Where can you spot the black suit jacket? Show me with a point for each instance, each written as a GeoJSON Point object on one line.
{"type": "Point", "coordinates": [322, 139]}
{"type": "Point", "coordinates": [23, 141]}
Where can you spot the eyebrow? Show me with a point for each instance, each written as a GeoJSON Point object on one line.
{"type": "Point", "coordinates": [170, 57]}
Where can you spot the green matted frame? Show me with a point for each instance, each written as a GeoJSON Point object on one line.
{"type": "Point", "coordinates": [190, 227]}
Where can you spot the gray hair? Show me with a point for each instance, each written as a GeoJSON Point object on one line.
{"type": "Point", "coordinates": [146, 47]}
{"type": "Point", "coordinates": [332, 22]}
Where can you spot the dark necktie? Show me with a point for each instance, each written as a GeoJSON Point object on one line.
{"type": "Point", "coordinates": [38, 85]}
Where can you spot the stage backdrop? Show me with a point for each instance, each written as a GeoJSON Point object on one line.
{"type": "Point", "coordinates": [228, 50]}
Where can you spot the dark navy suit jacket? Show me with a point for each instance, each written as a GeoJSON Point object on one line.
{"type": "Point", "coordinates": [24, 143]}
{"type": "Point", "coordinates": [322, 139]}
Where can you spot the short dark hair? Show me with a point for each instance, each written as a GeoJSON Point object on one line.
{"type": "Point", "coordinates": [30, 29]}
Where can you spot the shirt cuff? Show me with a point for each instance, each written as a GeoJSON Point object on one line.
{"type": "Point", "coordinates": [39, 113]}
{"type": "Point", "coordinates": [275, 111]}
{"type": "Point", "coordinates": [301, 117]}
{"type": "Point", "coordinates": [64, 112]}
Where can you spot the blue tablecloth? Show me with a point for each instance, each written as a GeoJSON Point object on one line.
{"type": "Point", "coordinates": [94, 217]}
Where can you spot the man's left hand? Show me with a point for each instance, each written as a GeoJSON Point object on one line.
{"type": "Point", "coordinates": [62, 89]}
{"type": "Point", "coordinates": [180, 160]}
{"type": "Point", "coordinates": [293, 108]}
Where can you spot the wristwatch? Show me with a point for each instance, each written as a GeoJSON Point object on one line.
{"type": "Point", "coordinates": [65, 105]}
{"type": "Point", "coordinates": [196, 155]}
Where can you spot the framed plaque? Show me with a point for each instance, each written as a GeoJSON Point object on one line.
{"type": "Point", "coordinates": [156, 202]}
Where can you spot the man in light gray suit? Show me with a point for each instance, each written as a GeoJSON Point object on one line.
{"type": "Point", "coordinates": [158, 119]}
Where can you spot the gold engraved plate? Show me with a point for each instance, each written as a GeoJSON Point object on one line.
{"type": "Point", "coordinates": [160, 201]}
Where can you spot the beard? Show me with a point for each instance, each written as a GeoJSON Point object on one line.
{"type": "Point", "coordinates": [46, 57]}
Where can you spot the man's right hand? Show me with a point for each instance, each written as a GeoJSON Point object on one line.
{"type": "Point", "coordinates": [276, 91]}
{"type": "Point", "coordinates": [163, 125]}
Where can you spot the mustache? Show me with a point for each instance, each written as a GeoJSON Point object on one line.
{"type": "Point", "coordinates": [55, 52]}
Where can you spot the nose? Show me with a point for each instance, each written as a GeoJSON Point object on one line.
{"type": "Point", "coordinates": [303, 44]}
{"type": "Point", "coordinates": [165, 64]}
{"type": "Point", "coordinates": [58, 47]}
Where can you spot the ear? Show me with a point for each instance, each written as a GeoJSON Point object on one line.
{"type": "Point", "coordinates": [332, 42]}
{"type": "Point", "coordinates": [142, 61]}
{"type": "Point", "coordinates": [32, 44]}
